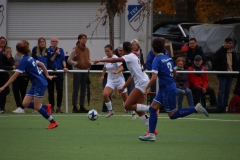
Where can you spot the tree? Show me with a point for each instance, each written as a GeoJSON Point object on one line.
{"type": "Point", "coordinates": [205, 10]}
{"type": "Point", "coordinates": [208, 10]}
{"type": "Point", "coordinates": [110, 10]}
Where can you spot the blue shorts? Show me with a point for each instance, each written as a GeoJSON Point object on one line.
{"type": "Point", "coordinates": [167, 98]}
{"type": "Point", "coordinates": [37, 91]}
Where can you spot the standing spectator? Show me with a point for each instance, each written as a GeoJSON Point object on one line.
{"type": "Point", "coordinates": [3, 44]}
{"type": "Point", "coordinates": [19, 86]}
{"type": "Point", "coordinates": [149, 61]}
{"type": "Point", "coordinates": [56, 61]}
{"type": "Point", "coordinates": [226, 61]}
{"type": "Point", "coordinates": [192, 51]}
{"type": "Point", "coordinates": [6, 63]}
{"type": "Point", "coordinates": [40, 52]}
{"type": "Point", "coordinates": [182, 84]}
{"type": "Point", "coordinates": [80, 60]}
{"type": "Point", "coordinates": [198, 83]}
{"type": "Point", "coordinates": [136, 49]}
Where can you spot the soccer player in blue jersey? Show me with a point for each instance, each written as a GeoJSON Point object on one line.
{"type": "Point", "coordinates": [39, 83]}
{"type": "Point", "coordinates": [163, 68]}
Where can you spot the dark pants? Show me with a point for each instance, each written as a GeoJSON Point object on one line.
{"type": "Point", "coordinates": [58, 81]}
{"type": "Point", "coordinates": [153, 89]}
{"type": "Point", "coordinates": [3, 98]}
{"type": "Point", "coordinates": [79, 80]}
{"type": "Point", "coordinates": [131, 86]}
{"type": "Point", "coordinates": [197, 95]}
{"type": "Point", "coordinates": [19, 88]}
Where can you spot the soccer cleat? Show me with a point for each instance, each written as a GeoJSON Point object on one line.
{"type": "Point", "coordinates": [52, 125]}
{"type": "Point", "coordinates": [155, 132]}
{"type": "Point", "coordinates": [149, 137]}
{"type": "Point", "coordinates": [199, 108]}
{"type": "Point", "coordinates": [49, 108]}
{"type": "Point", "coordinates": [110, 113]}
{"type": "Point", "coordinates": [19, 110]}
{"type": "Point", "coordinates": [133, 117]}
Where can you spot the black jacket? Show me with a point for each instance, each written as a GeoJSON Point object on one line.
{"type": "Point", "coordinates": [221, 61]}
{"type": "Point", "coordinates": [190, 55]}
{"type": "Point", "coordinates": [6, 64]}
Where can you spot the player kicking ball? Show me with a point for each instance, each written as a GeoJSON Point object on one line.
{"type": "Point", "coordinates": [163, 68]}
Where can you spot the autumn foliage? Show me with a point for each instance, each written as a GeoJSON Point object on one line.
{"type": "Point", "coordinates": [206, 10]}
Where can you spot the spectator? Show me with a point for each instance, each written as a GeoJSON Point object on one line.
{"type": "Point", "coordinates": [19, 86]}
{"type": "Point", "coordinates": [3, 44]}
{"type": "Point", "coordinates": [192, 51]}
{"type": "Point", "coordinates": [226, 61]}
{"type": "Point", "coordinates": [6, 63]}
{"type": "Point", "coordinates": [136, 49]}
{"type": "Point", "coordinates": [149, 61]}
{"type": "Point", "coordinates": [40, 52]}
{"type": "Point", "coordinates": [56, 61]}
{"type": "Point", "coordinates": [198, 82]}
{"type": "Point", "coordinates": [80, 60]}
{"type": "Point", "coordinates": [182, 84]}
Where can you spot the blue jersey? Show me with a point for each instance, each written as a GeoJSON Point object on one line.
{"type": "Point", "coordinates": [164, 66]}
{"type": "Point", "coordinates": [29, 65]}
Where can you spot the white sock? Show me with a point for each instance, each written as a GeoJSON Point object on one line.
{"type": "Point", "coordinates": [142, 107]}
{"type": "Point", "coordinates": [145, 119]}
{"type": "Point", "coordinates": [132, 112]}
{"type": "Point", "coordinates": [109, 105]}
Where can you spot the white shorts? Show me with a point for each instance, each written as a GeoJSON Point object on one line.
{"type": "Point", "coordinates": [117, 85]}
{"type": "Point", "coordinates": [142, 86]}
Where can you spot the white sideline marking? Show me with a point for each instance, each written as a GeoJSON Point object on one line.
{"type": "Point", "coordinates": [115, 115]}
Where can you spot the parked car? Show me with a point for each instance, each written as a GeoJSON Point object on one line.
{"type": "Point", "coordinates": [228, 20]}
{"type": "Point", "coordinates": [175, 32]}
{"type": "Point", "coordinates": [212, 36]}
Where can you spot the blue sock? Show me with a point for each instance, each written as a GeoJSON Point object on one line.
{"type": "Point", "coordinates": [31, 105]}
{"type": "Point", "coordinates": [45, 114]}
{"type": "Point", "coordinates": [183, 112]}
{"type": "Point", "coordinates": [152, 120]}
{"type": "Point", "coordinates": [44, 106]}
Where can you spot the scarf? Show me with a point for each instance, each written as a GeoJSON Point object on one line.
{"type": "Point", "coordinates": [137, 52]}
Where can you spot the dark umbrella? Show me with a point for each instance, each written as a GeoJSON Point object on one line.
{"type": "Point", "coordinates": [88, 89]}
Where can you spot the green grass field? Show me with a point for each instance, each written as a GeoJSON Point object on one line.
{"type": "Point", "coordinates": [23, 137]}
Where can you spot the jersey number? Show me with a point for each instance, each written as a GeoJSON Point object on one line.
{"type": "Point", "coordinates": [34, 64]}
{"type": "Point", "coordinates": [170, 68]}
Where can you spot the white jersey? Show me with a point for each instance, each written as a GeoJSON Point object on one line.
{"type": "Point", "coordinates": [134, 66]}
{"type": "Point", "coordinates": [113, 78]}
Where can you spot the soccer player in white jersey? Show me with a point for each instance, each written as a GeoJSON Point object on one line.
{"type": "Point", "coordinates": [115, 79]}
{"type": "Point", "coordinates": [136, 97]}
{"type": "Point", "coordinates": [163, 68]}
{"type": "Point", "coordinates": [39, 83]}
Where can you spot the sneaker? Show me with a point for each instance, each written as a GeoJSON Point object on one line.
{"type": "Point", "coordinates": [155, 132]}
{"type": "Point", "coordinates": [58, 110]}
{"type": "Point", "coordinates": [2, 111]}
{"type": "Point", "coordinates": [199, 108]}
{"type": "Point", "coordinates": [34, 111]}
{"type": "Point", "coordinates": [110, 113]}
{"type": "Point", "coordinates": [49, 108]}
{"type": "Point", "coordinates": [149, 137]}
{"type": "Point", "coordinates": [83, 110]}
{"type": "Point", "coordinates": [19, 110]}
{"type": "Point", "coordinates": [52, 125]}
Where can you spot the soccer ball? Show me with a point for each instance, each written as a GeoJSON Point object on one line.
{"type": "Point", "coordinates": [92, 115]}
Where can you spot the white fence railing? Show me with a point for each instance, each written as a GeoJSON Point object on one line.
{"type": "Point", "coordinates": [100, 71]}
